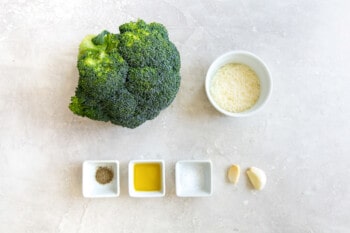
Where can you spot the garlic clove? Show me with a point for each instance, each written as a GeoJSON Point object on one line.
{"type": "Point", "coordinates": [257, 177]}
{"type": "Point", "coordinates": [234, 173]}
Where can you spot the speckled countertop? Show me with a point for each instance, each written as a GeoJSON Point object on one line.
{"type": "Point", "coordinates": [301, 138]}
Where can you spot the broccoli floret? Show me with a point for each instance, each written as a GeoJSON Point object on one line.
{"type": "Point", "coordinates": [126, 78]}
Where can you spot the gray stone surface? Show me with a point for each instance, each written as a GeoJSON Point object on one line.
{"type": "Point", "coordinates": [301, 137]}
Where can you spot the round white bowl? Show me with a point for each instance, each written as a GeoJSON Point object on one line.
{"type": "Point", "coordinates": [256, 64]}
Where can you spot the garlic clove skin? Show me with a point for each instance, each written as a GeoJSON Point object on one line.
{"type": "Point", "coordinates": [257, 177]}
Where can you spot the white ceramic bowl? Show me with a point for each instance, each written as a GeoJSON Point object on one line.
{"type": "Point", "coordinates": [137, 193]}
{"type": "Point", "coordinates": [256, 64]}
{"type": "Point", "coordinates": [91, 188]}
{"type": "Point", "coordinates": [194, 178]}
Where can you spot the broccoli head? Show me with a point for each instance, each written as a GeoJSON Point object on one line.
{"type": "Point", "coordinates": [126, 78]}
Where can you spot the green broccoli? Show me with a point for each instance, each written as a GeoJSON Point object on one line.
{"type": "Point", "coordinates": [126, 78]}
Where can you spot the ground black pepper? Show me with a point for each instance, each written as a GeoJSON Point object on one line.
{"type": "Point", "coordinates": [104, 175]}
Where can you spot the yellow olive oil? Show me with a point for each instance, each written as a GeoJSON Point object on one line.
{"type": "Point", "coordinates": [147, 177]}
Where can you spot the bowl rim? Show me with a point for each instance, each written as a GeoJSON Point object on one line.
{"type": "Point", "coordinates": [208, 79]}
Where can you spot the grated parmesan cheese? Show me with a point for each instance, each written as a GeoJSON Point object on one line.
{"type": "Point", "coordinates": [235, 87]}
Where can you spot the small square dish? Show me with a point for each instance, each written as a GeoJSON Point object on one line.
{"type": "Point", "coordinates": [101, 178]}
{"type": "Point", "coordinates": [193, 178]}
{"type": "Point", "coordinates": [146, 178]}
